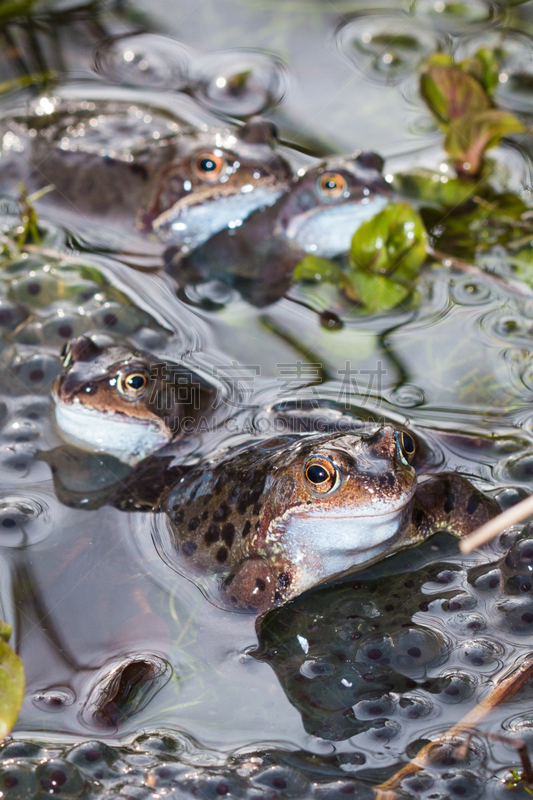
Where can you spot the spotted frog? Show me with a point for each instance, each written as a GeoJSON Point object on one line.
{"type": "Point", "coordinates": [123, 402]}
{"type": "Point", "coordinates": [275, 517]}
{"type": "Point", "coordinates": [127, 162]}
{"type": "Point", "coordinates": [325, 206]}
{"type": "Point", "coordinates": [283, 515]}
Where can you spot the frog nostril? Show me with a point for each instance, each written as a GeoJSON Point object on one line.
{"type": "Point", "coordinates": [307, 200]}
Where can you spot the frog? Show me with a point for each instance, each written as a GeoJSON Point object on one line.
{"type": "Point", "coordinates": [145, 167]}
{"type": "Point", "coordinates": [274, 517]}
{"type": "Point", "coordinates": [326, 204]}
{"type": "Point", "coordinates": [113, 398]}
{"type": "Point", "coordinates": [281, 516]}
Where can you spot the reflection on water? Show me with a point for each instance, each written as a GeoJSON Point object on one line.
{"type": "Point", "coordinates": [116, 635]}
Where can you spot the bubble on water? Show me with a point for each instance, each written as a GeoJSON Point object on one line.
{"type": "Point", "coordinates": [384, 730]}
{"type": "Point", "coordinates": [53, 700]}
{"type": "Point", "coordinates": [509, 496]}
{"type": "Point", "coordinates": [310, 669]}
{"type": "Point", "coordinates": [372, 705]}
{"type": "Point", "coordinates": [385, 47]}
{"type": "Point", "coordinates": [520, 468]}
{"type": "Point", "coordinates": [519, 559]}
{"type": "Point", "coordinates": [407, 396]}
{"type": "Point", "coordinates": [461, 784]}
{"type": "Point", "coordinates": [240, 82]}
{"type": "Point", "coordinates": [480, 652]}
{"type": "Point", "coordinates": [417, 649]}
{"type": "Point", "coordinates": [144, 59]}
{"type": "Point", "coordinates": [454, 687]}
{"type": "Point", "coordinates": [470, 293]}
{"type": "Point", "coordinates": [413, 705]}
{"type": "Point", "coordinates": [516, 616]}
{"type": "Point", "coordinates": [418, 784]}
{"type": "Point", "coordinates": [23, 520]}
{"type": "Point", "coordinates": [507, 327]}
{"type": "Point", "coordinates": [526, 375]}
{"type": "Point", "coordinates": [452, 16]}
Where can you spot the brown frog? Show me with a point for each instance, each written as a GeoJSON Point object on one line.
{"type": "Point", "coordinates": [123, 402]}
{"type": "Point", "coordinates": [130, 162]}
{"type": "Point", "coordinates": [283, 515]}
{"type": "Point", "coordinates": [275, 517]}
{"type": "Point", "coordinates": [325, 206]}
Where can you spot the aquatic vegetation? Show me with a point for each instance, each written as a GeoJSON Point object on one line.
{"type": "Point", "coordinates": [354, 295]}
{"type": "Point", "coordinates": [11, 682]}
{"type": "Point", "coordinates": [459, 97]}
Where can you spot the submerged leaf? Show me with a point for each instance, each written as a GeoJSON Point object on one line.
{"type": "Point", "coordinates": [5, 631]}
{"type": "Point", "coordinates": [469, 136]}
{"type": "Point", "coordinates": [376, 292]}
{"type": "Point", "coordinates": [313, 268]}
{"type": "Point", "coordinates": [450, 92]}
{"type": "Point", "coordinates": [394, 241]}
{"type": "Point", "coordinates": [433, 188]}
{"type": "Point", "coordinates": [11, 683]}
{"type": "Point", "coordinates": [488, 221]}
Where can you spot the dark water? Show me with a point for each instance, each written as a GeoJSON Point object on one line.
{"type": "Point", "coordinates": [331, 693]}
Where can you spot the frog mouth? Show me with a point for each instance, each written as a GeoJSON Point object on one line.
{"type": "Point", "coordinates": [191, 223]}
{"type": "Point", "coordinates": [129, 439]}
{"type": "Point", "coordinates": [327, 231]}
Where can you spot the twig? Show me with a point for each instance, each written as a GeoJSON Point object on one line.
{"type": "Point", "coordinates": [504, 689]}
{"type": "Point", "coordinates": [493, 527]}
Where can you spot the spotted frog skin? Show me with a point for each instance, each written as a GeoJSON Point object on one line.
{"type": "Point", "coordinates": [128, 162]}
{"type": "Point", "coordinates": [320, 214]}
{"type": "Point", "coordinates": [112, 399]}
{"type": "Point", "coordinates": [283, 515]}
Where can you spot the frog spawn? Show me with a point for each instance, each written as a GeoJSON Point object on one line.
{"type": "Point", "coordinates": [388, 656]}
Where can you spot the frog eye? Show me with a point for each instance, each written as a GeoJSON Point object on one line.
{"type": "Point", "coordinates": [331, 185]}
{"type": "Point", "coordinates": [321, 474]}
{"type": "Point", "coordinates": [209, 166]}
{"type": "Point", "coordinates": [133, 383]}
{"type": "Point", "coordinates": [406, 446]}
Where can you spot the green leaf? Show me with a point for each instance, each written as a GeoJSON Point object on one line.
{"type": "Point", "coordinates": [376, 292]}
{"type": "Point", "coordinates": [433, 188]}
{"type": "Point", "coordinates": [313, 268]}
{"type": "Point", "coordinates": [484, 67]}
{"type": "Point", "coordinates": [5, 631]}
{"type": "Point", "coordinates": [490, 220]}
{"type": "Point", "coordinates": [470, 135]}
{"type": "Point", "coordinates": [450, 92]}
{"type": "Point", "coordinates": [11, 683]}
{"type": "Point", "coordinates": [393, 241]}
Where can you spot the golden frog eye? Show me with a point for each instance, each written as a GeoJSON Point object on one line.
{"type": "Point", "coordinates": [133, 383]}
{"type": "Point", "coordinates": [321, 474]}
{"type": "Point", "coordinates": [208, 166]}
{"type": "Point", "coordinates": [406, 446]}
{"type": "Point", "coordinates": [331, 185]}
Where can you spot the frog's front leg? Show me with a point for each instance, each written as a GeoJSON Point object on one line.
{"type": "Point", "coordinates": [449, 502]}
{"type": "Point", "coordinates": [252, 585]}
